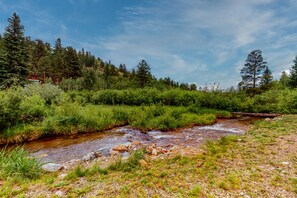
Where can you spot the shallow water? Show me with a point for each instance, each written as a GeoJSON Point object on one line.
{"type": "Point", "coordinates": [63, 149]}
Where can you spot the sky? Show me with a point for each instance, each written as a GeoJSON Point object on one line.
{"type": "Point", "coordinates": [191, 41]}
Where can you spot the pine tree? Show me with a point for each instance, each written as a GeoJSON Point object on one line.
{"type": "Point", "coordinates": [143, 73]}
{"type": "Point", "coordinates": [284, 79]}
{"type": "Point", "coordinates": [293, 74]}
{"type": "Point", "coordinates": [3, 65]}
{"type": "Point", "coordinates": [58, 61]}
{"type": "Point", "coordinates": [266, 76]}
{"type": "Point", "coordinates": [17, 54]}
{"type": "Point", "coordinates": [72, 69]}
{"type": "Point", "coordinates": [252, 70]}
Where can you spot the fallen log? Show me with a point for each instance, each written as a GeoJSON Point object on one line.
{"type": "Point", "coordinates": [267, 115]}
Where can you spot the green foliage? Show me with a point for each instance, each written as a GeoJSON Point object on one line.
{"type": "Point", "coordinates": [50, 93]}
{"type": "Point", "coordinates": [17, 163]}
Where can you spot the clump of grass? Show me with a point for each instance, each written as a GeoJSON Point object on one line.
{"type": "Point", "coordinates": [195, 191]}
{"type": "Point", "coordinates": [82, 172]}
{"type": "Point", "coordinates": [17, 163]}
{"type": "Point", "coordinates": [131, 163]}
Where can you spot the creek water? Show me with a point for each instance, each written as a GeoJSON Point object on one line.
{"type": "Point", "coordinates": [66, 148]}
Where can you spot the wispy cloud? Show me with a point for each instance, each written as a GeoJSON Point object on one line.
{"type": "Point", "coordinates": [189, 40]}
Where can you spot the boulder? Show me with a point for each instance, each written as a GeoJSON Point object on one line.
{"type": "Point", "coordinates": [52, 167]}
{"type": "Point", "coordinates": [120, 148]}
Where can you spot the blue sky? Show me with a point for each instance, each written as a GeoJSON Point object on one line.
{"type": "Point", "coordinates": [193, 41]}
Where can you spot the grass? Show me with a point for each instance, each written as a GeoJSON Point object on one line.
{"type": "Point", "coordinates": [17, 163]}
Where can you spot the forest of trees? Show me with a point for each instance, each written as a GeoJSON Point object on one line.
{"type": "Point", "coordinates": [23, 59]}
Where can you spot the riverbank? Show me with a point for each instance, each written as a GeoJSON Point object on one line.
{"type": "Point", "coordinates": [71, 118]}
{"type": "Point", "coordinates": [261, 163]}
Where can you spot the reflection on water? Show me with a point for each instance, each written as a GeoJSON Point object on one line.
{"type": "Point", "coordinates": [63, 149]}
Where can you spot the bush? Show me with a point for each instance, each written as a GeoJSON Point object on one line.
{"type": "Point", "coordinates": [50, 93]}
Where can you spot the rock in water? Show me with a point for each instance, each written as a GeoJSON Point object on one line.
{"type": "Point", "coordinates": [120, 148]}
{"type": "Point", "coordinates": [52, 167]}
{"type": "Point", "coordinates": [135, 143]}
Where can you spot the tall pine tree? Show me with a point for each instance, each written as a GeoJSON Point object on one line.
{"type": "Point", "coordinates": [253, 70]}
{"type": "Point", "coordinates": [143, 74]}
{"type": "Point", "coordinates": [266, 76]}
{"type": "Point", "coordinates": [293, 74]}
{"type": "Point", "coordinates": [3, 65]}
{"type": "Point", "coordinates": [16, 52]}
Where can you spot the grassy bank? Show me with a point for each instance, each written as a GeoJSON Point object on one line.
{"type": "Point", "coordinates": [71, 117]}
{"type": "Point", "coordinates": [261, 163]}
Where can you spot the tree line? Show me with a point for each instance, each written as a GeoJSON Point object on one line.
{"type": "Point", "coordinates": [23, 59]}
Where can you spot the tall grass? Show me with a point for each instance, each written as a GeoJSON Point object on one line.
{"type": "Point", "coordinates": [17, 163]}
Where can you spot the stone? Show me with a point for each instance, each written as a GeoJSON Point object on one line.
{"type": "Point", "coordinates": [135, 143]}
{"type": "Point", "coordinates": [59, 193]}
{"type": "Point", "coordinates": [91, 156]}
{"type": "Point", "coordinates": [142, 163]}
{"type": "Point", "coordinates": [285, 163]}
{"type": "Point", "coordinates": [52, 167]}
{"type": "Point", "coordinates": [120, 148]}
{"type": "Point", "coordinates": [154, 152]}
{"type": "Point", "coordinates": [62, 176]}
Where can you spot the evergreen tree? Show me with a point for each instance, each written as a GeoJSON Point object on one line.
{"type": "Point", "coordinates": [143, 73]}
{"type": "Point", "coordinates": [58, 61]}
{"type": "Point", "coordinates": [266, 77]}
{"type": "Point", "coordinates": [72, 69]}
{"type": "Point", "coordinates": [16, 52]}
{"type": "Point", "coordinates": [293, 74]}
{"type": "Point", "coordinates": [284, 79]}
{"type": "Point", "coordinates": [106, 74]}
{"type": "Point", "coordinates": [3, 65]}
{"type": "Point", "coordinates": [253, 69]}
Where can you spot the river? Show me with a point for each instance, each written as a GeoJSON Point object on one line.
{"type": "Point", "coordinates": [66, 148]}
